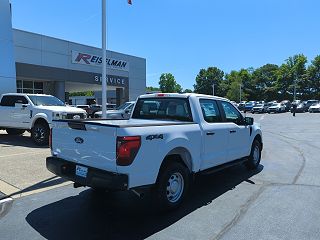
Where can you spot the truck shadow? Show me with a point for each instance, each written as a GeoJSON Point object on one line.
{"type": "Point", "coordinates": [123, 215]}
{"type": "Point", "coordinates": [22, 141]}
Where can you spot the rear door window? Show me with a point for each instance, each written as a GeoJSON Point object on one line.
{"type": "Point", "coordinates": [210, 110]}
{"type": "Point", "coordinates": [10, 101]}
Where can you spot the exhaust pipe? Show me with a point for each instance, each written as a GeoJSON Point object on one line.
{"type": "Point", "coordinates": [77, 185]}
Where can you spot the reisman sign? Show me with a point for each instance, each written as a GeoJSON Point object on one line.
{"type": "Point", "coordinates": [96, 60]}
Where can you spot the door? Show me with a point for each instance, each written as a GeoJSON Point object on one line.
{"type": "Point", "coordinates": [215, 135]}
{"type": "Point", "coordinates": [6, 106]}
{"type": "Point", "coordinates": [20, 115]}
{"type": "Point", "coordinates": [238, 134]}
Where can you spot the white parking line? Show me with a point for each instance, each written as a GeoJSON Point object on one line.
{"type": "Point", "coordinates": [262, 117]}
{"type": "Point", "coordinates": [18, 154]}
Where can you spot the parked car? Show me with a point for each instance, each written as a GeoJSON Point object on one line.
{"type": "Point", "coordinates": [287, 104]}
{"type": "Point", "coordinates": [160, 149]}
{"type": "Point", "coordinates": [259, 108]}
{"type": "Point", "coordinates": [301, 108]}
{"type": "Point", "coordinates": [277, 108]}
{"type": "Point", "coordinates": [309, 103]}
{"type": "Point", "coordinates": [96, 108]}
{"type": "Point", "coordinates": [241, 105]}
{"type": "Point", "coordinates": [34, 112]}
{"type": "Point", "coordinates": [249, 105]}
{"type": "Point", "coordinates": [122, 112]}
{"type": "Point", "coordinates": [314, 108]}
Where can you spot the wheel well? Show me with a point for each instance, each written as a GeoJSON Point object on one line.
{"type": "Point", "coordinates": [180, 155]}
{"type": "Point", "coordinates": [259, 139]}
{"type": "Point", "coordinates": [41, 121]}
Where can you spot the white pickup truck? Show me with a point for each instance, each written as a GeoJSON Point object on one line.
{"type": "Point", "coordinates": [168, 138]}
{"type": "Point", "coordinates": [34, 112]}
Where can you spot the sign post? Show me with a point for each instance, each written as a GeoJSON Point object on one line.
{"type": "Point", "coordinates": [104, 63]}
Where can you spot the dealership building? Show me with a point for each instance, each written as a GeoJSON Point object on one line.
{"type": "Point", "coordinates": [34, 63]}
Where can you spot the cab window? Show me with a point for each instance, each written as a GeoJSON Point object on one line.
{"type": "Point", "coordinates": [210, 110]}
{"type": "Point", "coordinates": [231, 113]}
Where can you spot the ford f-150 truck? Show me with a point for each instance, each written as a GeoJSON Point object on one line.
{"type": "Point", "coordinates": [168, 139]}
{"type": "Point", "coordinates": [34, 112]}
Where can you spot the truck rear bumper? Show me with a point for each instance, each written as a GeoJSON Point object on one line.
{"type": "Point", "coordinates": [95, 178]}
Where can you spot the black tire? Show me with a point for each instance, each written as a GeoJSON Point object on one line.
{"type": "Point", "coordinates": [40, 134]}
{"type": "Point", "coordinates": [13, 131]}
{"type": "Point", "coordinates": [174, 176]}
{"type": "Point", "coordinates": [255, 156]}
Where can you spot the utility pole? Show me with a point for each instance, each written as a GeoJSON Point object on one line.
{"type": "Point", "coordinates": [104, 63]}
{"type": "Point", "coordinates": [240, 92]}
{"type": "Point", "coordinates": [212, 89]}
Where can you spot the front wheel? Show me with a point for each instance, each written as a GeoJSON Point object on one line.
{"type": "Point", "coordinates": [13, 131]}
{"type": "Point", "coordinates": [255, 156]}
{"type": "Point", "coordinates": [40, 134]}
{"type": "Point", "coordinates": [172, 185]}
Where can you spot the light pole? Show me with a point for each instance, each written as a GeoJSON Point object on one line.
{"type": "Point", "coordinates": [295, 88]}
{"type": "Point", "coordinates": [104, 62]}
{"type": "Point", "coordinates": [240, 92]}
{"type": "Point", "coordinates": [212, 89]}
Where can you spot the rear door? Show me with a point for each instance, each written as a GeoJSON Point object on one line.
{"type": "Point", "coordinates": [85, 144]}
{"type": "Point", "coordinates": [238, 145]}
{"type": "Point", "coordinates": [215, 135]}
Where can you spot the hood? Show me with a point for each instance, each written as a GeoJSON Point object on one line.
{"type": "Point", "coordinates": [61, 109]}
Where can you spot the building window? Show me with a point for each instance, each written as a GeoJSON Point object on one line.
{"type": "Point", "coordinates": [29, 87]}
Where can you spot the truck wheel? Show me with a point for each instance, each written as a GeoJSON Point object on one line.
{"type": "Point", "coordinates": [13, 131]}
{"type": "Point", "coordinates": [40, 134]}
{"type": "Point", "coordinates": [255, 156]}
{"type": "Point", "coordinates": [172, 186]}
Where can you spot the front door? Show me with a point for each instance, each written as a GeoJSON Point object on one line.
{"type": "Point", "coordinates": [238, 133]}
{"type": "Point", "coordinates": [215, 135]}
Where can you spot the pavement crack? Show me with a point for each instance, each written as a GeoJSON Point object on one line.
{"type": "Point", "coordinates": [303, 158]}
{"type": "Point", "coordinates": [241, 212]}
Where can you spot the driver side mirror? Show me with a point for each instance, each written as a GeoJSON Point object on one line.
{"type": "Point", "coordinates": [248, 121]}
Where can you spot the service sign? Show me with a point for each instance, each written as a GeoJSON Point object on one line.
{"type": "Point", "coordinates": [96, 60]}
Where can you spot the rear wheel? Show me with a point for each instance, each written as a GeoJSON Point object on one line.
{"type": "Point", "coordinates": [255, 155]}
{"type": "Point", "coordinates": [40, 133]}
{"type": "Point", "coordinates": [172, 185]}
{"type": "Point", "coordinates": [13, 131]}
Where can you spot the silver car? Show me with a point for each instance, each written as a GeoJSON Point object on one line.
{"type": "Point", "coordinates": [122, 112]}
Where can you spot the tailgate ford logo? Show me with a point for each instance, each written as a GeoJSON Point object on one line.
{"type": "Point", "coordinates": [79, 140]}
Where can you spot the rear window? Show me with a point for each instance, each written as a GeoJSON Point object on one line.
{"type": "Point", "coordinates": [163, 108]}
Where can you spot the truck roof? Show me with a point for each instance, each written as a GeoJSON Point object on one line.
{"type": "Point", "coordinates": [24, 94]}
{"type": "Point", "coordinates": [181, 95]}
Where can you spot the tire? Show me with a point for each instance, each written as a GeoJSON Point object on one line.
{"type": "Point", "coordinates": [172, 186]}
{"type": "Point", "coordinates": [13, 131]}
{"type": "Point", "coordinates": [255, 156]}
{"type": "Point", "coordinates": [40, 134]}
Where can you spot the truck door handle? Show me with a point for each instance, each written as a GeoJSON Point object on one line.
{"type": "Point", "coordinates": [233, 131]}
{"type": "Point", "coordinates": [210, 133]}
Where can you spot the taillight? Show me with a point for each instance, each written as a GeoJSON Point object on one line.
{"type": "Point", "coordinates": [50, 139]}
{"type": "Point", "coordinates": [127, 149]}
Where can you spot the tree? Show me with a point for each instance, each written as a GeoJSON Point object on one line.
{"type": "Point", "coordinates": [168, 84]}
{"type": "Point", "coordinates": [187, 90]}
{"type": "Point", "coordinates": [264, 80]}
{"type": "Point", "coordinates": [293, 74]}
{"type": "Point", "coordinates": [313, 76]}
{"type": "Point", "coordinates": [206, 78]}
{"type": "Point", "coordinates": [152, 89]}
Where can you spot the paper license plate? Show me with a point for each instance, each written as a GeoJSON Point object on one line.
{"type": "Point", "coordinates": [81, 171]}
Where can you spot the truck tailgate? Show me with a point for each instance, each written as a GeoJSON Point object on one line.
{"type": "Point", "coordinates": [85, 144]}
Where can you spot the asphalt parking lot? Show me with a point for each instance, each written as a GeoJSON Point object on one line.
{"type": "Point", "coordinates": [278, 201]}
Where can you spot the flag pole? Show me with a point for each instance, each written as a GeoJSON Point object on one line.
{"type": "Point", "coordinates": [104, 63]}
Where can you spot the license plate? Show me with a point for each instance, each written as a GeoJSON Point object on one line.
{"type": "Point", "coordinates": [81, 171]}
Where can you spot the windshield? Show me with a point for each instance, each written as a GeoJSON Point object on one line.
{"type": "Point", "coordinates": [45, 100]}
{"type": "Point", "coordinates": [163, 108]}
{"type": "Point", "coordinates": [123, 106]}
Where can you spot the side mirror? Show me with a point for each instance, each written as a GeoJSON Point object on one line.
{"type": "Point", "coordinates": [248, 121]}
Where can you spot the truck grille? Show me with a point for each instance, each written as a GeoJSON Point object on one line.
{"type": "Point", "coordinates": [74, 116]}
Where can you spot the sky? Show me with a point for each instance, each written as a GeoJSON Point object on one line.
{"type": "Point", "coordinates": [183, 36]}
